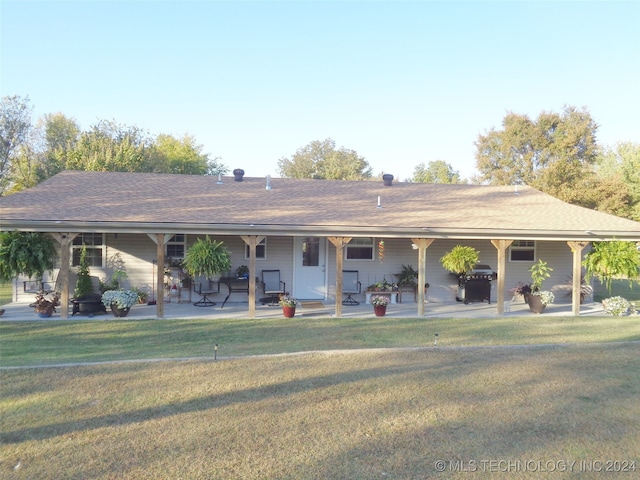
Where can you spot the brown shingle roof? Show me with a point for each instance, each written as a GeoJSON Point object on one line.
{"type": "Point", "coordinates": [191, 202]}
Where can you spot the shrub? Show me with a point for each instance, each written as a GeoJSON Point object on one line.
{"type": "Point", "coordinates": [616, 306]}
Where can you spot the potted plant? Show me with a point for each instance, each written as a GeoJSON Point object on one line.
{"type": "Point", "coordinates": [206, 258]}
{"type": "Point", "coordinates": [288, 304]}
{"type": "Point", "coordinates": [120, 301]}
{"type": "Point", "coordinates": [616, 306]}
{"type": "Point", "coordinates": [25, 253]}
{"type": "Point", "coordinates": [242, 271]}
{"type": "Point", "coordinates": [460, 260]}
{"type": "Point", "coordinates": [537, 298]}
{"type": "Point", "coordinates": [380, 303]}
{"type": "Point", "coordinates": [45, 304]}
{"type": "Point", "coordinates": [609, 260]}
{"type": "Point", "coordinates": [407, 277]}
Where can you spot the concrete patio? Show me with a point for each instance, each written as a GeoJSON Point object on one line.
{"type": "Point", "coordinates": [311, 309]}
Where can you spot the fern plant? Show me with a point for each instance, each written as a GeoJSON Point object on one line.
{"type": "Point", "coordinates": [207, 258]}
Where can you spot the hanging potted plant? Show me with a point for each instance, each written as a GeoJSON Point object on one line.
{"type": "Point", "coordinates": [25, 253]}
{"type": "Point", "coordinates": [288, 304]}
{"type": "Point", "coordinates": [380, 303]}
{"type": "Point", "coordinates": [460, 261]}
{"type": "Point", "coordinates": [206, 258]}
{"type": "Point", "coordinates": [120, 301]}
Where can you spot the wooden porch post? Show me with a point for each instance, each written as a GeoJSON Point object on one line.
{"type": "Point", "coordinates": [501, 246]}
{"type": "Point", "coordinates": [423, 244]}
{"type": "Point", "coordinates": [252, 241]}
{"type": "Point", "coordinates": [576, 249]}
{"type": "Point", "coordinates": [160, 240]}
{"type": "Point", "coordinates": [64, 239]}
{"type": "Point", "coordinates": [339, 243]}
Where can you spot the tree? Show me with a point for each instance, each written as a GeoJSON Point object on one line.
{"type": "Point", "coordinates": [15, 125]}
{"type": "Point", "coordinates": [109, 147]}
{"type": "Point", "coordinates": [554, 150]}
{"type": "Point", "coordinates": [438, 171]}
{"type": "Point", "coordinates": [622, 165]}
{"type": "Point", "coordinates": [180, 156]}
{"type": "Point", "coordinates": [321, 160]}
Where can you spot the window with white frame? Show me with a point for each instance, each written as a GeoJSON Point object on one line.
{"type": "Point", "coordinates": [175, 247]}
{"type": "Point", "coordinates": [522, 251]}
{"type": "Point", "coordinates": [261, 250]}
{"type": "Point", "coordinates": [359, 249]}
{"type": "Point", "coordinates": [94, 243]}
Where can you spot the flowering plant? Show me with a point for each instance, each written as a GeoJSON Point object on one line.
{"type": "Point", "coordinates": [122, 299]}
{"type": "Point", "coordinates": [521, 289]}
{"type": "Point", "coordinates": [288, 301]}
{"type": "Point", "coordinates": [546, 296]}
{"type": "Point", "coordinates": [616, 306]}
{"type": "Point", "coordinates": [379, 300]}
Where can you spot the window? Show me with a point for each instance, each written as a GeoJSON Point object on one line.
{"type": "Point", "coordinates": [261, 250]}
{"type": "Point", "coordinates": [95, 249]}
{"type": "Point", "coordinates": [360, 249]}
{"type": "Point", "coordinates": [523, 251]}
{"type": "Point", "coordinates": [176, 246]}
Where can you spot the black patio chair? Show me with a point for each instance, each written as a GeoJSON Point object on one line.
{"type": "Point", "coordinates": [272, 286]}
{"type": "Point", "coordinates": [350, 286]}
{"type": "Point", "coordinates": [204, 290]}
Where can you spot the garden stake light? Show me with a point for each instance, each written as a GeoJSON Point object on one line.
{"type": "Point", "coordinates": [435, 340]}
{"type": "Point", "coordinates": [215, 352]}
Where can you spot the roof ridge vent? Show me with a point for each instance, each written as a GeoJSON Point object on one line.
{"type": "Point", "coordinates": [387, 178]}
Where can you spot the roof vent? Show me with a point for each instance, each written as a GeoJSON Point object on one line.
{"type": "Point", "coordinates": [268, 182]}
{"type": "Point", "coordinates": [238, 173]}
{"type": "Point", "coordinates": [219, 179]}
{"type": "Point", "coordinates": [387, 178]}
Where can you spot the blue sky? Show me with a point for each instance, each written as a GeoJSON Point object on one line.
{"type": "Point", "coordinates": [401, 83]}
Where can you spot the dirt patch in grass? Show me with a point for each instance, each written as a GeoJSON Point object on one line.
{"type": "Point", "coordinates": [357, 415]}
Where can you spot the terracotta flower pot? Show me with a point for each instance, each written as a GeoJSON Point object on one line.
{"type": "Point", "coordinates": [380, 310]}
{"type": "Point", "coordinates": [288, 312]}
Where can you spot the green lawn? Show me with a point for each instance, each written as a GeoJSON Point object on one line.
{"type": "Point", "coordinates": [468, 413]}
{"type": "Point", "coordinates": [5, 293]}
{"type": "Point", "coordinates": [37, 343]}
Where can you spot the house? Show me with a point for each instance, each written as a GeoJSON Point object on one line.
{"type": "Point", "coordinates": [310, 230]}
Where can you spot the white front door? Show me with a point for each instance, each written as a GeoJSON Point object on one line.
{"type": "Point", "coordinates": [309, 271]}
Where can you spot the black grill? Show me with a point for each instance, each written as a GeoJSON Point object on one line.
{"type": "Point", "coordinates": [476, 286]}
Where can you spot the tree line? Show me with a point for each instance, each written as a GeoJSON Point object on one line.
{"type": "Point", "coordinates": [556, 153]}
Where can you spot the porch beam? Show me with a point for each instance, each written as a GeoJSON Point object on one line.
{"type": "Point", "coordinates": [501, 246]}
{"type": "Point", "coordinates": [422, 244]}
{"type": "Point", "coordinates": [252, 241]}
{"type": "Point", "coordinates": [576, 249]}
{"type": "Point", "coordinates": [64, 239]}
{"type": "Point", "coordinates": [339, 243]}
